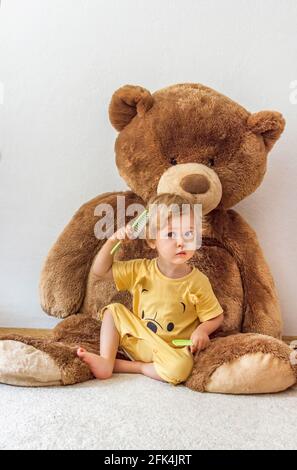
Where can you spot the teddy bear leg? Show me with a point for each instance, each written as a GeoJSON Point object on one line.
{"type": "Point", "coordinates": [51, 360]}
{"type": "Point", "coordinates": [244, 364]}
{"type": "Point", "coordinates": [24, 365]}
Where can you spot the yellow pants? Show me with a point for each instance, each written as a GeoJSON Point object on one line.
{"type": "Point", "coordinates": [173, 365]}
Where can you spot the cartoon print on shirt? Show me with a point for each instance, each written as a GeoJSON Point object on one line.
{"type": "Point", "coordinates": [153, 324]}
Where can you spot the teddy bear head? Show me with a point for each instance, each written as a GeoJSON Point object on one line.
{"type": "Point", "coordinates": [190, 140]}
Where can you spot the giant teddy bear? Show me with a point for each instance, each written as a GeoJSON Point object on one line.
{"type": "Point", "coordinates": [190, 140]}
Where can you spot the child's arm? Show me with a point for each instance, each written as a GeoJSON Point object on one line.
{"type": "Point", "coordinates": [102, 266]}
{"type": "Point", "coordinates": [200, 336]}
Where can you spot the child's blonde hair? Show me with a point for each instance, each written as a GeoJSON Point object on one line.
{"type": "Point", "coordinates": [161, 208]}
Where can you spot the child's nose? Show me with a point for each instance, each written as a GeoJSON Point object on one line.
{"type": "Point", "coordinates": [180, 241]}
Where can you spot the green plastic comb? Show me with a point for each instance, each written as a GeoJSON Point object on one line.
{"type": "Point", "coordinates": [137, 226]}
{"type": "Point", "coordinates": [182, 342]}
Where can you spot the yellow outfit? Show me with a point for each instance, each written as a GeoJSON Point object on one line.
{"type": "Point", "coordinates": [163, 309]}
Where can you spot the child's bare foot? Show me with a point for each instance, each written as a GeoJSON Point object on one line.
{"type": "Point", "coordinates": [100, 367]}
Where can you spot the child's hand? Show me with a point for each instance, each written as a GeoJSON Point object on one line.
{"type": "Point", "coordinates": [200, 340]}
{"type": "Point", "coordinates": [123, 233]}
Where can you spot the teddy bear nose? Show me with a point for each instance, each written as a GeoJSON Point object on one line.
{"type": "Point", "coordinates": [195, 184]}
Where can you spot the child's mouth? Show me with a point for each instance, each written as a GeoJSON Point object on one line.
{"type": "Point", "coordinates": [181, 253]}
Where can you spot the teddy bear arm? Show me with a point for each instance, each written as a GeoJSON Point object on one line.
{"type": "Point", "coordinates": [64, 274]}
{"type": "Point", "coordinates": [262, 313]}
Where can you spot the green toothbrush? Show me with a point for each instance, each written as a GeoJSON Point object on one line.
{"type": "Point", "coordinates": [182, 342]}
{"type": "Point", "coordinates": [137, 226]}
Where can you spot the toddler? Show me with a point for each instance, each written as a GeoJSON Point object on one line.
{"type": "Point", "coordinates": [171, 300]}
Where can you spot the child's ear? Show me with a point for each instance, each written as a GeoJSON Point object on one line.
{"type": "Point", "coordinates": [150, 244]}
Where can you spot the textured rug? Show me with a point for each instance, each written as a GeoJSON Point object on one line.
{"type": "Point", "coordinates": [135, 412]}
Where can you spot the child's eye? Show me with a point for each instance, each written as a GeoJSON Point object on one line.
{"type": "Point", "coordinates": [189, 234]}
{"type": "Point", "coordinates": [171, 235]}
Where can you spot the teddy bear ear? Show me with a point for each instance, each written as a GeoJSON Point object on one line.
{"type": "Point", "coordinates": [126, 102]}
{"type": "Point", "coordinates": [270, 124]}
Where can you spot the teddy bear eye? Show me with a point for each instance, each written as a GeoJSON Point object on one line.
{"type": "Point", "coordinates": [173, 161]}
{"type": "Point", "coordinates": [210, 162]}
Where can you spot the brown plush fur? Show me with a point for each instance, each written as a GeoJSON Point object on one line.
{"type": "Point", "coordinates": [185, 123]}
{"type": "Point", "coordinates": [226, 350]}
{"type": "Point", "coordinates": [75, 331]}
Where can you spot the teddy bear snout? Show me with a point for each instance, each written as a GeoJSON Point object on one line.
{"type": "Point", "coordinates": [195, 184]}
{"type": "Point", "coordinates": [196, 181]}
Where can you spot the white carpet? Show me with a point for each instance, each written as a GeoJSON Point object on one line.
{"type": "Point", "coordinates": [135, 412]}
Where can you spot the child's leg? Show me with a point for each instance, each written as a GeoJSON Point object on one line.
{"type": "Point", "coordinates": [128, 367]}
{"type": "Point", "coordinates": [149, 370]}
{"type": "Point", "coordinates": [136, 367]}
{"type": "Point", "coordinates": [102, 366]}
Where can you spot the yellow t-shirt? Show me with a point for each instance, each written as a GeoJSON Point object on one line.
{"type": "Point", "coordinates": [169, 307]}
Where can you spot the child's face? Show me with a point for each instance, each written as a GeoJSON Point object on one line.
{"type": "Point", "coordinates": [177, 236]}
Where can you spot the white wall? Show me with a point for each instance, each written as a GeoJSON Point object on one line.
{"type": "Point", "coordinates": [61, 60]}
